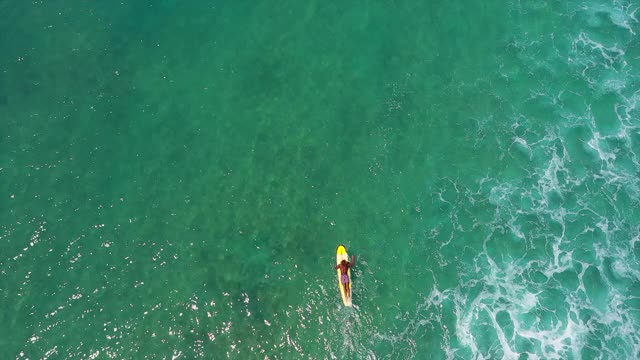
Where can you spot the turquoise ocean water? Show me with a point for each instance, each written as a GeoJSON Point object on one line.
{"type": "Point", "coordinates": [176, 175]}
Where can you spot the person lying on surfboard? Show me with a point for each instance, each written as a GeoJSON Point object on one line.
{"type": "Point", "coordinates": [344, 277]}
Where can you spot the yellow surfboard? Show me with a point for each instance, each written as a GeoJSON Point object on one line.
{"type": "Point", "coordinates": [341, 254]}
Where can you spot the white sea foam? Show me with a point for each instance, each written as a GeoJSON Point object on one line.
{"type": "Point", "coordinates": [618, 13]}
{"type": "Point", "coordinates": [506, 288]}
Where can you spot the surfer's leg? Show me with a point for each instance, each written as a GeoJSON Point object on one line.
{"type": "Point", "coordinates": [344, 279]}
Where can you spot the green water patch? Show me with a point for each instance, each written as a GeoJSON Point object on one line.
{"type": "Point", "coordinates": [485, 334]}
{"type": "Point", "coordinates": [604, 114]}
{"type": "Point", "coordinates": [568, 279]}
{"type": "Point", "coordinates": [596, 288]}
{"type": "Point", "coordinates": [505, 247]}
{"type": "Point", "coordinates": [527, 345]}
{"type": "Point", "coordinates": [503, 319]}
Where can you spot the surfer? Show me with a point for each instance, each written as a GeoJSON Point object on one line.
{"type": "Point", "coordinates": [344, 277]}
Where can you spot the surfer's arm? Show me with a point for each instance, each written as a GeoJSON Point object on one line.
{"type": "Point", "coordinates": [353, 261]}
